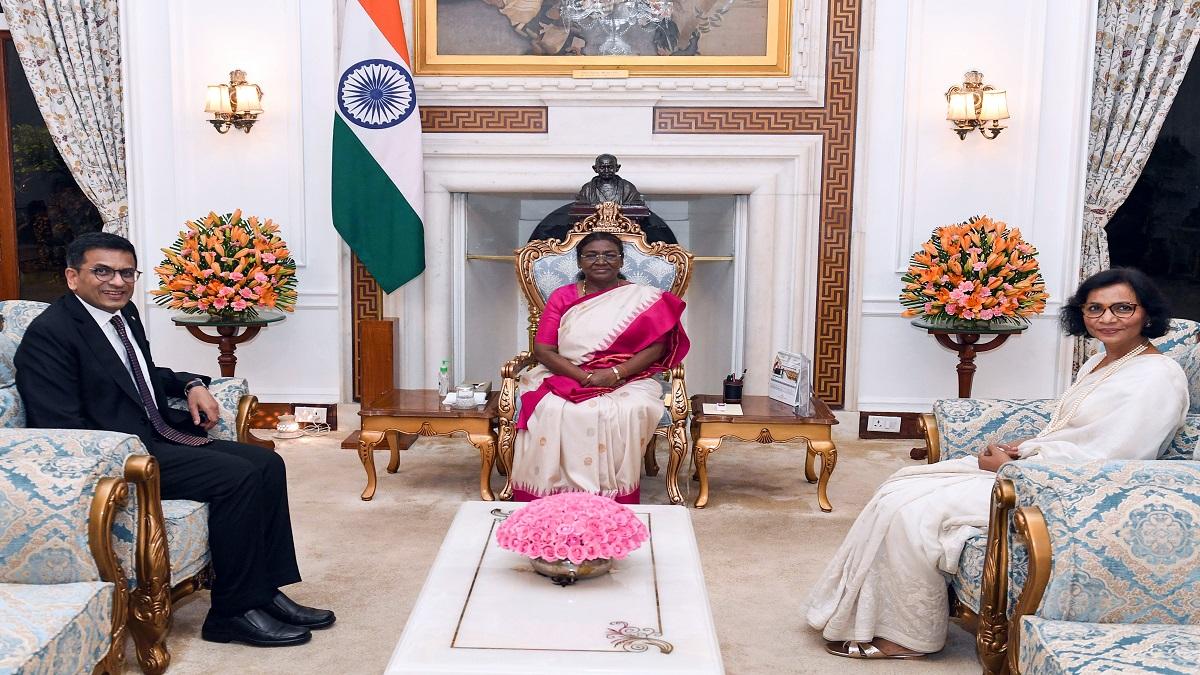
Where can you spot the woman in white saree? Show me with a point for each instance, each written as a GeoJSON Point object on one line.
{"type": "Point", "coordinates": [590, 407]}
{"type": "Point", "coordinates": [883, 595]}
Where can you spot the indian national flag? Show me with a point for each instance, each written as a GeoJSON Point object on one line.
{"type": "Point", "coordinates": [378, 189]}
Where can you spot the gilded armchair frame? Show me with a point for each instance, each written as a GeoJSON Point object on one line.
{"type": "Point", "coordinates": [110, 493]}
{"type": "Point", "coordinates": [155, 591]}
{"type": "Point", "coordinates": [607, 218]}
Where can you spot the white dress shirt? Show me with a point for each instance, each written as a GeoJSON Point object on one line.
{"type": "Point", "coordinates": [104, 319]}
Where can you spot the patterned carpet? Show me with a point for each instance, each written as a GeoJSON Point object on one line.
{"type": "Point", "coordinates": [762, 539]}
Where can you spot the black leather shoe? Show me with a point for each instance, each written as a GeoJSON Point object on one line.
{"type": "Point", "coordinates": [287, 610]}
{"type": "Point", "coordinates": [254, 627]}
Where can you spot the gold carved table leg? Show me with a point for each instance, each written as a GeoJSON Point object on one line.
{"type": "Point", "coordinates": [367, 440]}
{"type": "Point", "coordinates": [678, 441]}
{"type": "Point", "coordinates": [375, 429]}
{"type": "Point", "coordinates": [817, 437]}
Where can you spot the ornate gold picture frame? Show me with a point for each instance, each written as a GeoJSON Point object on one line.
{"type": "Point", "coordinates": [738, 38]}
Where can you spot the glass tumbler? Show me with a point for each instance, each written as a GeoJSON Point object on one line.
{"type": "Point", "coordinates": [464, 397]}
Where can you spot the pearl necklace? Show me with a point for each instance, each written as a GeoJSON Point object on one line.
{"type": "Point", "coordinates": [1059, 420]}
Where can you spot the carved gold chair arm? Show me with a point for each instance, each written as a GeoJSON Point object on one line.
{"type": "Point", "coordinates": [509, 373]}
{"type": "Point", "coordinates": [151, 598]}
{"type": "Point", "coordinates": [247, 405]}
{"type": "Point", "coordinates": [933, 443]}
{"type": "Point", "coordinates": [1030, 527]}
{"type": "Point", "coordinates": [110, 494]}
{"type": "Point", "coordinates": [991, 635]}
{"type": "Point", "coordinates": [678, 402]}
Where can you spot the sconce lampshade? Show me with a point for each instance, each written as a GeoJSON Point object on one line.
{"type": "Point", "coordinates": [217, 99]}
{"type": "Point", "coordinates": [247, 99]}
{"type": "Point", "coordinates": [994, 106]}
{"type": "Point", "coordinates": [960, 106]}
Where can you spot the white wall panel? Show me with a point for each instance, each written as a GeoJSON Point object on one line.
{"type": "Point", "coordinates": [180, 168]}
{"type": "Point", "coordinates": [915, 174]}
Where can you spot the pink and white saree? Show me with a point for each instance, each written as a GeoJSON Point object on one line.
{"type": "Point", "coordinates": [573, 438]}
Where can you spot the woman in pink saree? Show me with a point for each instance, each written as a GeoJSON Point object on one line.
{"type": "Point", "coordinates": [590, 406]}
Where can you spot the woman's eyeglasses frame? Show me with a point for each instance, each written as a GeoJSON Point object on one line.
{"type": "Point", "coordinates": [1094, 310]}
{"type": "Point", "coordinates": [610, 257]}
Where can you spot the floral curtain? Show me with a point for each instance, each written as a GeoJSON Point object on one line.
{"type": "Point", "coordinates": [1143, 48]}
{"type": "Point", "coordinates": [70, 51]}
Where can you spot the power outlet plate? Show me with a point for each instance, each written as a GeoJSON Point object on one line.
{"type": "Point", "coordinates": [306, 415]}
{"type": "Point", "coordinates": [882, 423]}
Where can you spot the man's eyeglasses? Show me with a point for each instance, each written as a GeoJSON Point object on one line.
{"type": "Point", "coordinates": [593, 257]}
{"type": "Point", "coordinates": [105, 273]}
{"type": "Point", "coordinates": [1123, 310]}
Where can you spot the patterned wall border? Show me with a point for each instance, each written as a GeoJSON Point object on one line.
{"type": "Point", "coordinates": [484, 120]}
{"type": "Point", "coordinates": [835, 123]}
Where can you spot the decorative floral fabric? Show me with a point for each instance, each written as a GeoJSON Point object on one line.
{"type": "Point", "coordinates": [228, 391]}
{"type": "Point", "coordinates": [1142, 53]}
{"type": "Point", "coordinates": [70, 52]}
{"type": "Point", "coordinates": [966, 425]}
{"type": "Point", "coordinates": [16, 315]}
{"type": "Point", "coordinates": [1051, 647]}
{"type": "Point", "coordinates": [1123, 538]}
{"type": "Point", "coordinates": [187, 537]}
{"type": "Point", "coordinates": [966, 583]}
{"type": "Point", "coordinates": [54, 629]}
{"type": "Point", "coordinates": [552, 272]}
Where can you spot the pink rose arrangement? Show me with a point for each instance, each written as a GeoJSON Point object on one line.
{"type": "Point", "coordinates": [574, 526]}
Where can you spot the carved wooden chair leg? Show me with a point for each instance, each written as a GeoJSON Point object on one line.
{"type": "Point", "coordinates": [650, 460]}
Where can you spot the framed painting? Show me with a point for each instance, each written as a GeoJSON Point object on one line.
{"type": "Point", "coordinates": [603, 38]}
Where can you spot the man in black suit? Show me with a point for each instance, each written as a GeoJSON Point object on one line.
{"type": "Point", "coordinates": [85, 363]}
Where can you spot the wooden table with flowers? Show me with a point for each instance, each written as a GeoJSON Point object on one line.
{"type": "Point", "coordinates": [227, 272]}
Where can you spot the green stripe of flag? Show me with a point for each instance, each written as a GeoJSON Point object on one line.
{"type": "Point", "coordinates": [372, 215]}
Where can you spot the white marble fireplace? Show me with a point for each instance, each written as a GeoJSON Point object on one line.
{"type": "Point", "coordinates": [773, 183]}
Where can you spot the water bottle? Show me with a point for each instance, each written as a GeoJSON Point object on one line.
{"type": "Point", "coordinates": [444, 378]}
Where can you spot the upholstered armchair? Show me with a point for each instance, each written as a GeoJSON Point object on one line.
{"type": "Point", "coordinates": [988, 577]}
{"type": "Point", "coordinates": [164, 543]}
{"type": "Point", "coordinates": [544, 266]}
{"type": "Point", "coordinates": [63, 592]}
{"type": "Point", "coordinates": [1112, 582]}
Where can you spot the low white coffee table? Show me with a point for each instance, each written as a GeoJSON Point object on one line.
{"type": "Point", "coordinates": [484, 609]}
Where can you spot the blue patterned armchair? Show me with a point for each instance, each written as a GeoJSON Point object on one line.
{"type": "Point", "coordinates": [544, 266]}
{"type": "Point", "coordinates": [988, 578]}
{"type": "Point", "coordinates": [1113, 551]}
{"type": "Point", "coordinates": [164, 542]}
{"type": "Point", "coordinates": [63, 592]}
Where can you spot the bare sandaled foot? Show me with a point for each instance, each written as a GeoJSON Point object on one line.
{"type": "Point", "coordinates": [865, 650]}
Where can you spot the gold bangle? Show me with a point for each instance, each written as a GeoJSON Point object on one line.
{"type": "Point", "coordinates": [587, 379]}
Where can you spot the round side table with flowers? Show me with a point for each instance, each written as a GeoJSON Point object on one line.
{"type": "Point", "coordinates": [230, 273]}
{"type": "Point", "coordinates": [969, 280]}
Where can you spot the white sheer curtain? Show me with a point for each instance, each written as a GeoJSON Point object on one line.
{"type": "Point", "coordinates": [70, 52]}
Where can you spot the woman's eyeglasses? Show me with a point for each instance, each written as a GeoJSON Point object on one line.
{"type": "Point", "coordinates": [106, 273]}
{"type": "Point", "coordinates": [1123, 310]}
{"type": "Point", "coordinates": [593, 257]}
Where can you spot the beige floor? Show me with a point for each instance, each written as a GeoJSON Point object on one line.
{"type": "Point", "coordinates": [762, 540]}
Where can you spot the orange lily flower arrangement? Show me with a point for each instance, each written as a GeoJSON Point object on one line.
{"type": "Point", "coordinates": [227, 266]}
{"type": "Point", "coordinates": [979, 270]}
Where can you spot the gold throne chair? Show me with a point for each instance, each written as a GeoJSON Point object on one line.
{"type": "Point", "coordinates": [545, 265]}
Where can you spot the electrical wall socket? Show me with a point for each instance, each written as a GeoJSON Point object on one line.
{"type": "Point", "coordinates": [306, 415]}
{"type": "Point", "coordinates": [874, 423]}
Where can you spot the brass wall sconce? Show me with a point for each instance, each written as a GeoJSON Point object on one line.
{"type": "Point", "coordinates": [237, 104]}
{"type": "Point", "coordinates": [976, 105]}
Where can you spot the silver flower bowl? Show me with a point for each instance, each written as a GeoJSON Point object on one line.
{"type": "Point", "coordinates": [565, 572]}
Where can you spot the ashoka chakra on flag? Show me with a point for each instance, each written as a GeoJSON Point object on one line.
{"type": "Point", "coordinates": [376, 94]}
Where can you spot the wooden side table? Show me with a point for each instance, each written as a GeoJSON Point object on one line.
{"type": "Point", "coordinates": [765, 420]}
{"type": "Point", "coordinates": [228, 336]}
{"type": "Point", "coordinates": [963, 339]}
{"type": "Point", "coordinates": [420, 412]}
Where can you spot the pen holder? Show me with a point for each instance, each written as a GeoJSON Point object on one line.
{"type": "Point", "coordinates": [732, 391]}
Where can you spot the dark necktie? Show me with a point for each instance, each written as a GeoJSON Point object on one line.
{"type": "Point", "coordinates": [160, 425]}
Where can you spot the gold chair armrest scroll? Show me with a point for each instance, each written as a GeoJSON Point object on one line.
{"type": "Point", "coordinates": [247, 405]}
{"type": "Point", "coordinates": [933, 442]}
{"type": "Point", "coordinates": [110, 494]}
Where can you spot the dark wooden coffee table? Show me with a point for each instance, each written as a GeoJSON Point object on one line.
{"type": "Point", "coordinates": [420, 412]}
{"type": "Point", "coordinates": [765, 420]}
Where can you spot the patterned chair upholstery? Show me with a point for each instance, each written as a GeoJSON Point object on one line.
{"type": "Point", "coordinates": [1114, 566]}
{"type": "Point", "coordinates": [63, 594]}
{"type": "Point", "coordinates": [544, 266]}
{"type": "Point", "coordinates": [163, 574]}
{"type": "Point", "coordinates": [960, 427]}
